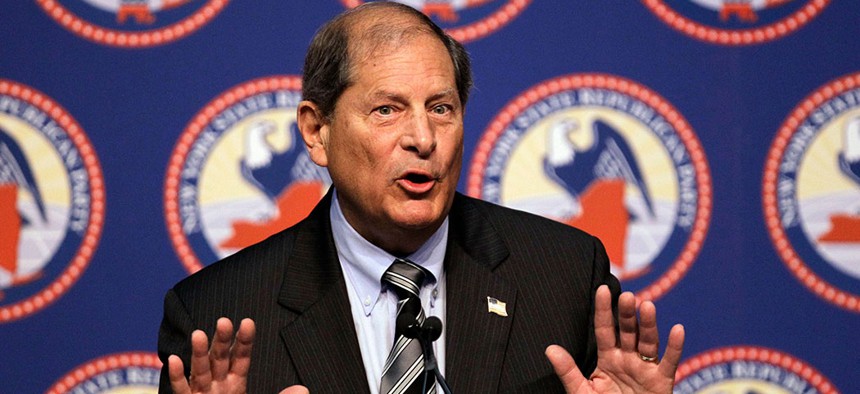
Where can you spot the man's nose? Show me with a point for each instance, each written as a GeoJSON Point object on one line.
{"type": "Point", "coordinates": [420, 135]}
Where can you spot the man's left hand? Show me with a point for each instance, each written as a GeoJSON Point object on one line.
{"type": "Point", "coordinates": [630, 363]}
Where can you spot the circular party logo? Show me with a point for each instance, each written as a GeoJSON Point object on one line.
{"type": "Point", "coordinates": [736, 22]}
{"type": "Point", "coordinates": [812, 192]}
{"type": "Point", "coordinates": [132, 23]}
{"type": "Point", "coordinates": [609, 156]}
{"type": "Point", "coordinates": [465, 20]}
{"type": "Point", "coordinates": [240, 172]}
{"type": "Point", "coordinates": [123, 373]}
{"type": "Point", "coordinates": [748, 370]}
{"type": "Point", "coordinates": [51, 201]}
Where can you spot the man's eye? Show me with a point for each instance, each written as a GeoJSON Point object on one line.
{"type": "Point", "coordinates": [384, 110]}
{"type": "Point", "coordinates": [440, 109]}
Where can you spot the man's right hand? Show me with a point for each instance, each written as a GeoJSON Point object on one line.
{"type": "Point", "coordinates": [221, 368]}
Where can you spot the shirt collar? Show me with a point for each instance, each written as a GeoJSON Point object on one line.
{"type": "Point", "coordinates": [364, 263]}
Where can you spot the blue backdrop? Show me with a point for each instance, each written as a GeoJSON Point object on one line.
{"type": "Point", "coordinates": [724, 136]}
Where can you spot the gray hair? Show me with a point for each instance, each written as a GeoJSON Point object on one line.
{"type": "Point", "coordinates": [331, 55]}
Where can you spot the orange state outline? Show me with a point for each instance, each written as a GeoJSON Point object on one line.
{"type": "Point", "coordinates": [186, 141]}
{"type": "Point", "coordinates": [85, 251]}
{"type": "Point", "coordinates": [479, 29]}
{"type": "Point", "coordinates": [679, 268]}
{"type": "Point", "coordinates": [127, 39]}
{"type": "Point", "coordinates": [293, 204]}
{"type": "Point", "coordinates": [759, 354]}
{"type": "Point", "coordinates": [715, 35]}
{"type": "Point", "coordinates": [843, 228]}
{"type": "Point", "coordinates": [786, 252]}
{"type": "Point", "coordinates": [102, 365]}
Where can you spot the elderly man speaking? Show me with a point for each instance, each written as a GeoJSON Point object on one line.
{"type": "Point", "coordinates": [350, 299]}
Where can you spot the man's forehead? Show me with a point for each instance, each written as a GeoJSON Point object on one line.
{"type": "Point", "coordinates": [383, 30]}
{"type": "Point", "coordinates": [374, 46]}
{"type": "Point", "coordinates": [392, 93]}
{"type": "Point", "coordinates": [376, 58]}
{"type": "Point", "coordinates": [382, 20]}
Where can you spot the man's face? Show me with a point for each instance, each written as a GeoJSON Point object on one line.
{"type": "Point", "coordinates": [395, 144]}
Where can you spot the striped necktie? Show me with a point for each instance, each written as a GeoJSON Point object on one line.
{"type": "Point", "coordinates": [404, 368]}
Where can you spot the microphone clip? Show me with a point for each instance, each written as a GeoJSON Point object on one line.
{"type": "Point", "coordinates": [426, 334]}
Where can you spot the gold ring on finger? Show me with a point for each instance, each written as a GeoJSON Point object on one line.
{"type": "Point", "coordinates": [648, 359]}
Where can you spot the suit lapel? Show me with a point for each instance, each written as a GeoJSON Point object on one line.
{"type": "Point", "coordinates": [475, 338]}
{"type": "Point", "coordinates": [321, 338]}
{"type": "Point", "coordinates": [315, 293]}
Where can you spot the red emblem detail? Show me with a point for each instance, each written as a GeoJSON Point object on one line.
{"type": "Point", "coordinates": [142, 14]}
{"type": "Point", "coordinates": [472, 31]}
{"type": "Point", "coordinates": [759, 354]}
{"type": "Point", "coordinates": [609, 203]}
{"type": "Point", "coordinates": [97, 208]}
{"type": "Point", "coordinates": [744, 13]}
{"type": "Point", "coordinates": [294, 204]}
{"type": "Point", "coordinates": [102, 365]}
{"type": "Point", "coordinates": [771, 210]}
{"type": "Point", "coordinates": [183, 147]}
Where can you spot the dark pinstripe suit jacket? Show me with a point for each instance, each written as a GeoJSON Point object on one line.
{"type": "Point", "coordinates": [292, 286]}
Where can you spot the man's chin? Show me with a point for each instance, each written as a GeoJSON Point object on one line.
{"type": "Point", "coordinates": [408, 232]}
{"type": "Point", "coordinates": [423, 218]}
{"type": "Point", "coordinates": [419, 223]}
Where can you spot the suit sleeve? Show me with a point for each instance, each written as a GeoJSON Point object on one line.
{"type": "Point", "coordinates": [601, 275]}
{"type": "Point", "coordinates": [174, 337]}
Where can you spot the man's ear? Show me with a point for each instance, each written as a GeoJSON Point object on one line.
{"type": "Point", "coordinates": [314, 128]}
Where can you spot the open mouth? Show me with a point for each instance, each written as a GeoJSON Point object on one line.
{"type": "Point", "coordinates": [418, 178]}
{"type": "Point", "coordinates": [417, 182]}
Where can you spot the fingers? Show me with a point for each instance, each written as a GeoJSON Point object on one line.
{"type": "Point", "coordinates": [604, 321]}
{"type": "Point", "coordinates": [177, 375]}
{"type": "Point", "coordinates": [638, 335]}
{"type": "Point", "coordinates": [672, 355]}
{"type": "Point", "coordinates": [201, 375]}
{"type": "Point", "coordinates": [630, 361]}
{"type": "Point", "coordinates": [242, 347]}
{"type": "Point", "coordinates": [214, 365]}
{"type": "Point", "coordinates": [628, 327]}
{"type": "Point", "coordinates": [649, 338]}
{"type": "Point", "coordinates": [564, 366]}
{"type": "Point", "coordinates": [295, 390]}
{"type": "Point", "coordinates": [219, 353]}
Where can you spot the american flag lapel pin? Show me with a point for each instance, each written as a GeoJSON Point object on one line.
{"type": "Point", "coordinates": [497, 307]}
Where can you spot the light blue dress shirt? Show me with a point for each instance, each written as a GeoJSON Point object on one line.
{"type": "Point", "coordinates": [374, 308]}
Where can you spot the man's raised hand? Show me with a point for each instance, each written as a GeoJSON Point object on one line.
{"type": "Point", "coordinates": [630, 363]}
{"type": "Point", "coordinates": [222, 368]}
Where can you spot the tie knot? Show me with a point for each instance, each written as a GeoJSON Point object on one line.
{"type": "Point", "coordinates": [406, 277]}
